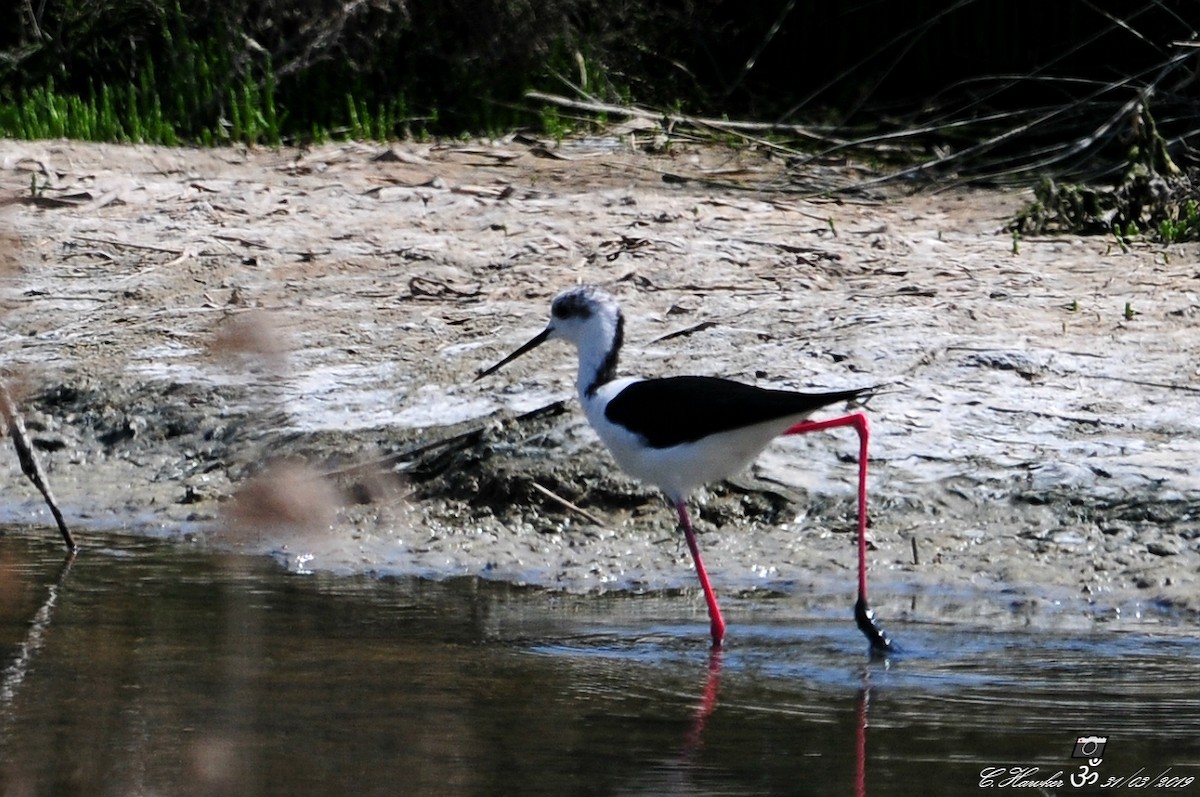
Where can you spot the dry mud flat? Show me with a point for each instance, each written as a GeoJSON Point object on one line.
{"type": "Point", "coordinates": [179, 322]}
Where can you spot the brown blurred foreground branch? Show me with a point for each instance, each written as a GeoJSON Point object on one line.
{"type": "Point", "coordinates": [29, 462]}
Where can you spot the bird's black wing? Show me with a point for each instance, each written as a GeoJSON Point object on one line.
{"type": "Point", "coordinates": [683, 409]}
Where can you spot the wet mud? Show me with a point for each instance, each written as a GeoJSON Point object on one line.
{"type": "Point", "coordinates": [275, 351]}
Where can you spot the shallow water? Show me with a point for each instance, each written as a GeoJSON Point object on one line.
{"type": "Point", "coordinates": [145, 667]}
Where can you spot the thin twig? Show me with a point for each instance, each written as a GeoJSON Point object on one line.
{"type": "Point", "coordinates": [559, 499]}
{"type": "Point", "coordinates": [460, 440]}
{"type": "Point", "coordinates": [679, 333]}
{"type": "Point", "coordinates": [238, 239]}
{"type": "Point", "coordinates": [1142, 382]}
{"type": "Point", "coordinates": [675, 119]}
{"type": "Point", "coordinates": [128, 245]}
{"type": "Point", "coordinates": [1058, 416]}
{"type": "Point", "coordinates": [762, 45]}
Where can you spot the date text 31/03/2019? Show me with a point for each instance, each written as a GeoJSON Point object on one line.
{"type": "Point", "coordinates": [1028, 778]}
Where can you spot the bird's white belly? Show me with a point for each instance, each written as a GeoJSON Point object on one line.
{"type": "Point", "coordinates": [679, 470]}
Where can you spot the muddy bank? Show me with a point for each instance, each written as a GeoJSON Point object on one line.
{"type": "Point", "coordinates": [179, 320]}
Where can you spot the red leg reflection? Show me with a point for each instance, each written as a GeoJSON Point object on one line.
{"type": "Point", "coordinates": [708, 701]}
{"type": "Point", "coordinates": [860, 747]}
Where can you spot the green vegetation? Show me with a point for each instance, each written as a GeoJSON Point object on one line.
{"type": "Point", "coordinates": [246, 112]}
{"type": "Point", "coordinates": [1154, 198]}
{"type": "Point", "coordinates": [192, 73]}
{"type": "Point", "coordinates": [1152, 206]}
{"type": "Point", "coordinates": [923, 91]}
{"type": "Point", "coordinates": [1183, 226]}
{"type": "Point", "coordinates": [553, 124]}
{"type": "Point", "coordinates": [189, 104]}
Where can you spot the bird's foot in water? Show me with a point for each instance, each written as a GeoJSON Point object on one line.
{"type": "Point", "coordinates": [864, 616]}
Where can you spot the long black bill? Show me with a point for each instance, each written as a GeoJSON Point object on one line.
{"type": "Point", "coordinates": [533, 344]}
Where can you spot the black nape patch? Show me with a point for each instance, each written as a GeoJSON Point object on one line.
{"type": "Point", "coordinates": [608, 369]}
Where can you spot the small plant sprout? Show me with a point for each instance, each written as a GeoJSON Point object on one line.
{"type": "Point", "coordinates": [1129, 311]}
{"type": "Point", "coordinates": [1116, 233]}
{"type": "Point", "coordinates": [1016, 241]}
{"type": "Point", "coordinates": [1185, 227]}
{"type": "Point", "coordinates": [554, 125]}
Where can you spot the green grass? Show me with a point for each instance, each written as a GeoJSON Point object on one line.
{"type": "Point", "coordinates": [135, 113]}
{"type": "Point", "coordinates": [200, 98]}
{"type": "Point", "coordinates": [247, 112]}
{"type": "Point", "coordinates": [553, 124]}
{"type": "Point", "coordinates": [45, 113]}
{"type": "Point", "coordinates": [1184, 227]}
{"type": "Point", "coordinates": [206, 88]}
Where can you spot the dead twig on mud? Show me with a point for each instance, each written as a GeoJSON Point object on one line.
{"type": "Point", "coordinates": [680, 333]}
{"type": "Point", "coordinates": [243, 241]}
{"type": "Point", "coordinates": [1080, 419]}
{"type": "Point", "coordinates": [30, 465]}
{"type": "Point", "coordinates": [567, 504]}
{"type": "Point", "coordinates": [672, 120]}
{"type": "Point", "coordinates": [456, 441]}
{"type": "Point", "coordinates": [1142, 382]}
{"type": "Point", "coordinates": [129, 245]}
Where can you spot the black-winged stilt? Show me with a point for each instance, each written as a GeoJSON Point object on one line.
{"type": "Point", "coordinates": [680, 433]}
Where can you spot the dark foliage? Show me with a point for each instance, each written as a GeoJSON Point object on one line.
{"type": "Point", "coordinates": [1002, 86]}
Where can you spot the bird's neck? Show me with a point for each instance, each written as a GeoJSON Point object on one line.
{"type": "Point", "coordinates": [598, 357]}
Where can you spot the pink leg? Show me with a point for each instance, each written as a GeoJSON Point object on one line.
{"type": "Point", "coordinates": [862, 611]}
{"type": "Point", "coordinates": [714, 611]}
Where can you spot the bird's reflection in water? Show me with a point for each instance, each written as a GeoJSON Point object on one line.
{"type": "Point", "coordinates": [694, 740]}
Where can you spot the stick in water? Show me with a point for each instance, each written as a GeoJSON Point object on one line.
{"type": "Point", "coordinates": [29, 461]}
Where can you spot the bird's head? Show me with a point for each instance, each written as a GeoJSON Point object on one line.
{"type": "Point", "coordinates": [585, 316]}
